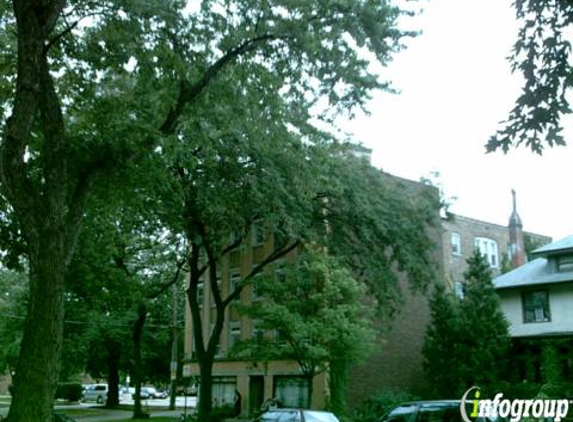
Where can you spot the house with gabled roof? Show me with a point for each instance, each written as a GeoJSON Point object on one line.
{"type": "Point", "coordinates": [537, 298]}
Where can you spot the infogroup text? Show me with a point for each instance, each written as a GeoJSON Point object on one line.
{"type": "Point", "coordinates": [514, 409]}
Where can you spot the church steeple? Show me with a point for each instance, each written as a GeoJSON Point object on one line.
{"type": "Point", "coordinates": [516, 244]}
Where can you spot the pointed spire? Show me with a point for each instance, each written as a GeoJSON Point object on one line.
{"type": "Point", "coordinates": [516, 244]}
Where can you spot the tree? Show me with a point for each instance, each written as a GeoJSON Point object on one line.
{"type": "Point", "coordinates": [542, 55]}
{"type": "Point", "coordinates": [321, 318]}
{"type": "Point", "coordinates": [124, 263]}
{"type": "Point", "coordinates": [468, 336]}
{"type": "Point", "coordinates": [380, 228]}
{"type": "Point", "coordinates": [13, 297]}
{"type": "Point", "coordinates": [88, 99]}
{"type": "Point", "coordinates": [443, 335]}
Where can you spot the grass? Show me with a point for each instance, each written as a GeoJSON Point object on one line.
{"type": "Point", "coordinates": [80, 412]}
{"type": "Point", "coordinates": [153, 419]}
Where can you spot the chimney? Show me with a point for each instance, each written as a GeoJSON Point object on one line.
{"type": "Point", "coordinates": [516, 245]}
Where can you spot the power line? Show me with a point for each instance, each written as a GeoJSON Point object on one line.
{"type": "Point", "coordinates": [117, 324]}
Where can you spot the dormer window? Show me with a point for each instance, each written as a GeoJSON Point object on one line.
{"type": "Point", "coordinates": [565, 263]}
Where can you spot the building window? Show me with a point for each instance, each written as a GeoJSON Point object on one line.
{"type": "Point", "coordinates": [459, 290]}
{"type": "Point", "coordinates": [200, 294]}
{"type": "Point", "coordinates": [223, 391]}
{"type": "Point", "coordinates": [258, 233]}
{"type": "Point", "coordinates": [257, 331]}
{"type": "Point", "coordinates": [256, 289]}
{"type": "Point", "coordinates": [536, 306]}
{"type": "Point", "coordinates": [234, 333]}
{"type": "Point", "coordinates": [488, 248]}
{"type": "Point", "coordinates": [291, 391]}
{"type": "Point", "coordinates": [456, 244]}
{"type": "Point", "coordinates": [234, 282]}
{"type": "Point", "coordinates": [565, 263]}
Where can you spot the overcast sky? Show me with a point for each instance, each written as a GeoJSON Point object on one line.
{"type": "Point", "coordinates": [456, 86]}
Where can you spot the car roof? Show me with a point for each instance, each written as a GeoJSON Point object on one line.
{"type": "Point", "coordinates": [295, 409]}
{"type": "Point", "coordinates": [430, 402]}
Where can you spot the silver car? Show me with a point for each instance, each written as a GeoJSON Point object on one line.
{"type": "Point", "coordinates": [96, 392]}
{"type": "Point", "coordinates": [297, 415]}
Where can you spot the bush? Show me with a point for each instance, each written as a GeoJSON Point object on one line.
{"type": "Point", "coordinates": [219, 414]}
{"type": "Point", "coordinates": [377, 406]}
{"type": "Point", "coordinates": [71, 391]}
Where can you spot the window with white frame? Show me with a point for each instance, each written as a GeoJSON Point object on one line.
{"type": "Point", "coordinates": [234, 333]}
{"type": "Point", "coordinates": [234, 281]}
{"type": "Point", "coordinates": [256, 291]}
{"type": "Point", "coordinates": [565, 263]}
{"type": "Point", "coordinates": [200, 294]}
{"type": "Point", "coordinates": [257, 331]}
{"type": "Point", "coordinates": [488, 248]}
{"type": "Point", "coordinates": [536, 306]}
{"type": "Point", "coordinates": [258, 231]}
{"type": "Point", "coordinates": [456, 244]}
{"type": "Point", "coordinates": [459, 290]}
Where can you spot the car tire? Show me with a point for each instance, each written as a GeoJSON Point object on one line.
{"type": "Point", "coordinates": [99, 400]}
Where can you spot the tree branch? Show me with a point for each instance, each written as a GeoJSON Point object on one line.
{"type": "Point", "coordinates": [165, 286]}
{"type": "Point", "coordinates": [189, 92]}
{"type": "Point", "coordinates": [277, 254]}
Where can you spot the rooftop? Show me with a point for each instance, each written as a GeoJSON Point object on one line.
{"type": "Point", "coordinates": [538, 271]}
{"type": "Point", "coordinates": [558, 247]}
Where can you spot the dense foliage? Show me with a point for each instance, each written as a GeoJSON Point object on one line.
{"type": "Point", "coordinates": [206, 96]}
{"type": "Point", "coordinates": [542, 56]}
{"type": "Point", "coordinates": [468, 336]}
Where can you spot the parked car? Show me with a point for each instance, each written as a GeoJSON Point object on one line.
{"type": "Point", "coordinates": [297, 415]}
{"type": "Point", "coordinates": [186, 391]}
{"type": "Point", "coordinates": [143, 394]}
{"type": "Point", "coordinates": [95, 392]}
{"type": "Point", "coordinates": [154, 393]}
{"type": "Point", "coordinates": [432, 411]}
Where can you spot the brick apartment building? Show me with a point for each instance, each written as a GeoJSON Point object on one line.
{"type": "Point", "coordinates": [505, 247]}
{"type": "Point", "coordinates": [397, 362]}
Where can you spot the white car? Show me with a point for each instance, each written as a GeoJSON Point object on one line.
{"type": "Point", "coordinates": [154, 393]}
{"type": "Point", "coordinates": [96, 392]}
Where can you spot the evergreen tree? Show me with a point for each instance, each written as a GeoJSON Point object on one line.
{"type": "Point", "coordinates": [485, 329]}
{"type": "Point", "coordinates": [438, 350]}
{"type": "Point", "coordinates": [467, 341]}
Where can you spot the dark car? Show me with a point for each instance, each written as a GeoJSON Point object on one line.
{"type": "Point", "coordinates": [297, 415]}
{"type": "Point", "coordinates": [431, 411]}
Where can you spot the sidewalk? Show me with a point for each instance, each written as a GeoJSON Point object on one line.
{"type": "Point", "coordinates": [108, 415]}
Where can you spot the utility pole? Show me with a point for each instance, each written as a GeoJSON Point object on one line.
{"type": "Point", "coordinates": [173, 395]}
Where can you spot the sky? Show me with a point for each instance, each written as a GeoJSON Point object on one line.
{"type": "Point", "coordinates": [455, 87]}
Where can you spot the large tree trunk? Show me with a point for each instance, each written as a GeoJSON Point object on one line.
{"type": "Point", "coordinates": [310, 391]}
{"type": "Point", "coordinates": [337, 385]}
{"type": "Point", "coordinates": [37, 370]}
{"type": "Point", "coordinates": [137, 372]}
{"type": "Point", "coordinates": [114, 354]}
{"type": "Point", "coordinates": [41, 210]}
{"type": "Point", "coordinates": [205, 404]}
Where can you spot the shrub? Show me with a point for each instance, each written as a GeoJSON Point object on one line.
{"type": "Point", "coordinates": [71, 391]}
{"type": "Point", "coordinates": [219, 414]}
